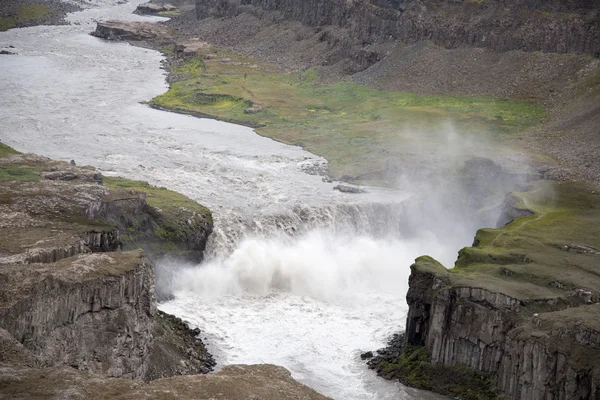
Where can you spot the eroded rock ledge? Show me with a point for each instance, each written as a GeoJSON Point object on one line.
{"type": "Point", "coordinates": [69, 296]}
{"type": "Point", "coordinates": [520, 306]}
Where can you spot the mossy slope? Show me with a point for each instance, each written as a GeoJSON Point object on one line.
{"type": "Point", "coordinates": [361, 131]}
{"type": "Point", "coordinates": [56, 196]}
{"type": "Point", "coordinates": [23, 14]}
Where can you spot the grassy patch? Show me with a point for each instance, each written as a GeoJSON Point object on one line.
{"type": "Point", "coordinates": [7, 150]}
{"type": "Point", "coordinates": [414, 369]}
{"type": "Point", "coordinates": [539, 256]}
{"type": "Point", "coordinates": [169, 14]}
{"type": "Point", "coordinates": [24, 13]}
{"type": "Point", "coordinates": [359, 130]}
{"type": "Point", "coordinates": [166, 200]}
{"type": "Point", "coordinates": [23, 173]}
{"type": "Point", "coordinates": [174, 222]}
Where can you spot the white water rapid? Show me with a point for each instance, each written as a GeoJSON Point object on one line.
{"type": "Point", "coordinates": [297, 274]}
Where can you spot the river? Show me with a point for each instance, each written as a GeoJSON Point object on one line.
{"type": "Point", "coordinates": [297, 274]}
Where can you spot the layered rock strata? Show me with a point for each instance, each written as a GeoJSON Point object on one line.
{"type": "Point", "coordinates": [523, 303]}
{"type": "Point", "coordinates": [69, 297]}
{"type": "Point", "coordinates": [76, 313]}
{"type": "Point", "coordinates": [549, 26]}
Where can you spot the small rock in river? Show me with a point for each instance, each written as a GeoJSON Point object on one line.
{"type": "Point", "coordinates": [349, 189]}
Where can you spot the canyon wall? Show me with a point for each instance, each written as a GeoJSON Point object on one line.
{"type": "Point", "coordinates": [482, 329]}
{"type": "Point", "coordinates": [542, 25]}
{"type": "Point", "coordinates": [69, 296]}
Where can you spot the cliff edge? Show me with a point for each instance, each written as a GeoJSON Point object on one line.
{"type": "Point", "coordinates": [521, 306]}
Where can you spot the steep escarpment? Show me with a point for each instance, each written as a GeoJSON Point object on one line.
{"type": "Point", "coordinates": [70, 297]}
{"type": "Point", "coordinates": [549, 26]}
{"type": "Point", "coordinates": [521, 305]}
{"type": "Point", "coordinates": [92, 312]}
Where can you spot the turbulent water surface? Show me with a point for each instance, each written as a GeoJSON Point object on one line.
{"type": "Point", "coordinates": [297, 274]}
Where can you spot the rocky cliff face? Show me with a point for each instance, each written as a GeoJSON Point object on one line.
{"type": "Point", "coordinates": [69, 297]}
{"type": "Point", "coordinates": [521, 304]}
{"type": "Point", "coordinates": [540, 25]}
{"type": "Point", "coordinates": [483, 330]}
{"type": "Point", "coordinates": [92, 312]}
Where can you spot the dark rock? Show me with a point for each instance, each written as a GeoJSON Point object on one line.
{"type": "Point", "coordinates": [367, 355]}
{"type": "Point", "coordinates": [135, 31]}
{"type": "Point", "coordinates": [544, 25]}
{"type": "Point", "coordinates": [155, 8]}
{"type": "Point", "coordinates": [349, 189]}
{"type": "Point", "coordinates": [389, 353]}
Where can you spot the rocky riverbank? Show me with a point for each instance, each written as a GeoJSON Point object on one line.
{"type": "Point", "coordinates": [76, 310]}
{"type": "Point", "coordinates": [70, 295]}
{"type": "Point", "coordinates": [23, 13]}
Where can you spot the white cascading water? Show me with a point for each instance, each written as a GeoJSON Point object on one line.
{"type": "Point", "coordinates": [297, 274]}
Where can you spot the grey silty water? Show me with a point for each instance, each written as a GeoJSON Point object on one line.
{"type": "Point", "coordinates": [68, 95]}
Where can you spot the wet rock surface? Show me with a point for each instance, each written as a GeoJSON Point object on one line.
{"type": "Point", "coordinates": [349, 189]}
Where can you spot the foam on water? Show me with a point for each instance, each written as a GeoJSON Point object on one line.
{"type": "Point", "coordinates": [312, 304]}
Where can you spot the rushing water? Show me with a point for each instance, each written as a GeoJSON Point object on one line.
{"type": "Point", "coordinates": [298, 274]}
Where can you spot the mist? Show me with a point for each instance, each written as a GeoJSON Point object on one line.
{"type": "Point", "coordinates": [311, 287]}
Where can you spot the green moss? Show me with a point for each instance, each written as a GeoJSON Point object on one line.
{"type": "Point", "coordinates": [169, 14]}
{"type": "Point", "coordinates": [413, 369]}
{"type": "Point", "coordinates": [7, 150]}
{"type": "Point", "coordinates": [430, 265]}
{"type": "Point", "coordinates": [23, 173]}
{"type": "Point", "coordinates": [170, 203]}
{"type": "Point", "coordinates": [358, 129]}
{"type": "Point", "coordinates": [524, 257]}
{"type": "Point", "coordinates": [175, 219]}
{"type": "Point", "coordinates": [23, 14]}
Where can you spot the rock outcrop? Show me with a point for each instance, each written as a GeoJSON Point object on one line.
{"type": "Point", "coordinates": [135, 31]}
{"type": "Point", "coordinates": [549, 26]}
{"type": "Point", "coordinates": [521, 304]}
{"type": "Point", "coordinates": [69, 296]}
{"type": "Point", "coordinates": [155, 9]}
{"type": "Point", "coordinates": [536, 359]}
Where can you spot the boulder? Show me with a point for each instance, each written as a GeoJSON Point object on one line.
{"type": "Point", "coordinates": [154, 9]}
{"type": "Point", "coordinates": [349, 189]}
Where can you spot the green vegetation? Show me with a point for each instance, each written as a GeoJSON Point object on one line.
{"type": "Point", "coordinates": [359, 130]}
{"type": "Point", "coordinates": [539, 256]}
{"type": "Point", "coordinates": [7, 150]}
{"type": "Point", "coordinates": [169, 202]}
{"type": "Point", "coordinates": [414, 369]}
{"type": "Point", "coordinates": [176, 219]}
{"type": "Point", "coordinates": [23, 173]}
{"type": "Point", "coordinates": [24, 13]}
{"type": "Point", "coordinates": [169, 14]}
